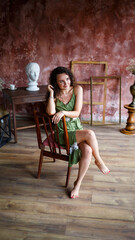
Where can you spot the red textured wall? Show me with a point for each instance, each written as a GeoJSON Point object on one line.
{"type": "Point", "coordinates": [55, 32]}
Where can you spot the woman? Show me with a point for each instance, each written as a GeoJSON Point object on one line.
{"type": "Point", "coordinates": [67, 99]}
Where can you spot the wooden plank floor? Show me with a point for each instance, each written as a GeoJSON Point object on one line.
{"type": "Point", "coordinates": [34, 209]}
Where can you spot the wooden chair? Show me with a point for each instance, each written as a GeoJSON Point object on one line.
{"type": "Point", "coordinates": [48, 145]}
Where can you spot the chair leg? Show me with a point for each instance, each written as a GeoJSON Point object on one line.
{"type": "Point", "coordinates": [54, 152]}
{"type": "Point", "coordinates": [40, 164]}
{"type": "Point", "coordinates": [68, 175]}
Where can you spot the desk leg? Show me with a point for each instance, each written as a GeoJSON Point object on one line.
{"type": "Point", "coordinates": [14, 123]}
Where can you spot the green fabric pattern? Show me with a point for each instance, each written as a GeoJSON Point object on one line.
{"type": "Point", "coordinates": [73, 124]}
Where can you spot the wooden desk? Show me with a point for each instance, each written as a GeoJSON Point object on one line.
{"type": "Point", "coordinates": [21, 96]}
{"type": "Point", "coordinates": [130, 127]}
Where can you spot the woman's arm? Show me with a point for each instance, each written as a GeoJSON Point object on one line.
{"type": "Point", "coordinates": [50, 108]}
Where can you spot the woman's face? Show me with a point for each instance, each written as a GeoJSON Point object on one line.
{"type": "Point", "coordinates": [63, 81]}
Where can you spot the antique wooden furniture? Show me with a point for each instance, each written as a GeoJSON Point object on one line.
{"type": "Point", "coordinates": [105, 64]}
{"type": "Point", "coordinates": [104, 82]}
{"type": "Point", "coordinates": [47, 143]}
{"type": "Point", "coordinates": [22, 96]}
{"type": "Point", "coordinates": [130, 126]}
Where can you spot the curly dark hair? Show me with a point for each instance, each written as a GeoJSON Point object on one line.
{"type": "Point", "coordinates": [53, 78]}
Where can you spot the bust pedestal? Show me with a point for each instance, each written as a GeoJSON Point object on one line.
{"type": "Point", "coordinates": [32, 88]}
{"type": "Point", "coordinates": [130, 127]}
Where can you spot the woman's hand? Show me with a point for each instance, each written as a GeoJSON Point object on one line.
{"type": "Point", "coordinates": [51, 90]}
{"type": "Point", "coordinates": [56, 118]}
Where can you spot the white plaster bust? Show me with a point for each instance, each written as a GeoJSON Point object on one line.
{"type": "Point", "coordinates": [32, 72]}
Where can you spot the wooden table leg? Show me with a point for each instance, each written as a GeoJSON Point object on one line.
{"type": "Point", "coordinates": [14, 124]}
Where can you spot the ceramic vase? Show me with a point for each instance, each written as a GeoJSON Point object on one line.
{"type": "Point", "coordinates": [132, 90]}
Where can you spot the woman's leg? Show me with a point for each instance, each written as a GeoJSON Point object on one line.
{"type": "Point", "coordinates": [90, 138]}
{"type": "Point", "coordinates": [84, 163]}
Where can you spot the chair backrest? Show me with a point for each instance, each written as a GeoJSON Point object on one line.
{"type": "Point", "coordinates": [46, 134]}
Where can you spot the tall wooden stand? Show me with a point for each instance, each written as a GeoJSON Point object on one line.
{"type": "Point", "coordinates": [130, 127]}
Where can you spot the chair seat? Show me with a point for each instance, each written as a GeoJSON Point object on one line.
{"type": "Point", "coordinates": [46, 143]}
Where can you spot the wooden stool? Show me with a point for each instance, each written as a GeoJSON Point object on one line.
{"type": "Point", "coordinates": [130, 127]}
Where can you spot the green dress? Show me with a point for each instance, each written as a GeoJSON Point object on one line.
{"type": "Point", "coordinates": [72, 125]}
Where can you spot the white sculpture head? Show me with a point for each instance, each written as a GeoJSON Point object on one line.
{"type": "Point", "coordinates": [32, 72]}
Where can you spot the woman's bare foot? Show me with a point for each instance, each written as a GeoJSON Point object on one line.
{"type": "Point", "coordinates": [102, 167]}
{"type": "Point", "coordinates": [75, 190]}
